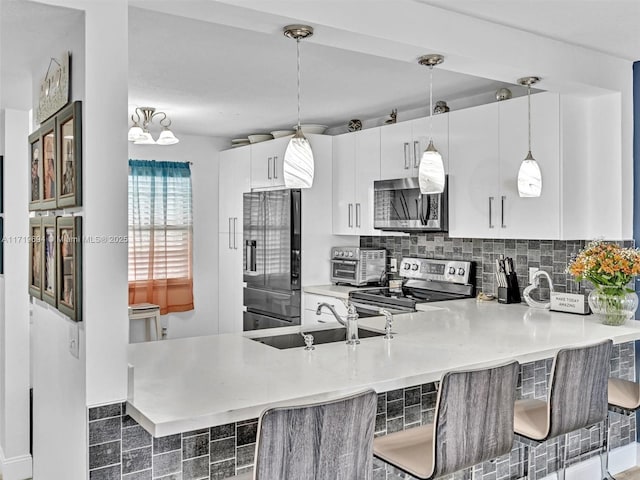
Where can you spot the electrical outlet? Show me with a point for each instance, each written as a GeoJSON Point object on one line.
{"type": "Point", "coordinates": [394, 265]}
{"type": "Point", "coordinates": [532, 272]}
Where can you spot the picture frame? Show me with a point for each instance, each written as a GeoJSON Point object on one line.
{"type": "Point", "coordinates": [35, 257]}
{"type": "Point", "coordinates": [69, 155]}
{"type": "Point", "coordinates": [49, 173]}
{"type": "Point", "coordinates": [35, 168]}
{"type": "Point", "coordinates": [69, 267]}
{"type": "Point", "coordinates": [49, 260]}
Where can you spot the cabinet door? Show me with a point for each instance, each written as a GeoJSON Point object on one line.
{"type": "Point", "coordinates": [367, 170]}
{"type": "Point", "coordinates": [537, 217]}
{"type": "Point", "coordinates": [344, 177]}
{"type": "Point", "coordinates": [229, 286]}
{"type": "Point", "coordinates": [421, 129]}
{"type": "Point", "coordinates": [234, 179]}
{"type": "Point", "coordinates": [266, 163]}
{"type": "Point", "coordinates": [473, 172]}
{"type": "Point", "coordinates": [396, 151]}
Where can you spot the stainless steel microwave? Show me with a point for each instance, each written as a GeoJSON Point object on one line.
{"type": "Point", "coordinates": [399, 206]}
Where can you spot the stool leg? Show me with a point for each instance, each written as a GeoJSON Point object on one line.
{"type": "Point", "coordinates": [604, 455]}
{"type": "Point", "coordinates": [526, 455]}
{"type": "Point", "coordinates": [562, 454]}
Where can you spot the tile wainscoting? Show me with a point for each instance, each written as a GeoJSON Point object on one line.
{"type": "Point", "coordinates": [120, 449]}
{"type": "Point", "coordinates": [549, 255]}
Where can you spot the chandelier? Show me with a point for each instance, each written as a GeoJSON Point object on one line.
{"type": "Point", "coordinates": [139, 133]}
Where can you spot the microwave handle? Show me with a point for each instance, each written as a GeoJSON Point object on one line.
{"type": "Point", "coordinates": [250, 251]}
{"type": "Point", "coordinates": [416, 154]}
{"type": "Point", "coordinates": [407, 156]}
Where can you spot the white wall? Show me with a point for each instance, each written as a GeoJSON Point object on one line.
{"type": "Point", "coordinates": [203, 152]}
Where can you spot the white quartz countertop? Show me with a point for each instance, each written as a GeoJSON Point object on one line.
{"type": "Point", "coordinates": [337, 291]}
{"type": "Point", "coordinates": [186, 384]}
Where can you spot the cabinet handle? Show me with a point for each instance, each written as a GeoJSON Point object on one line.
{"type": "Point", "coordinates": [230, 233]}
{"type": "Point", "coordinates": [275, 166]}
{"type": "Point", "coordinates": [407, 156]}
{"type": "Point", "coordinates": [490, 215]}
{"type": "Point", "coordinates": [358, 215]}
{"type": "Point", "coordinates": [269, 168]}
{"type": "Point", "coordinates": [416, 154]}
{"type": "Point", "coordinates": [502, 212]}
{"type": "Point", "coordinates": [351, 215]}
{"type": "Point", "coordinates": [235, 233]}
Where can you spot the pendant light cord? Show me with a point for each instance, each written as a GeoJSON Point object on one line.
{"type": "Point", "coordinates": [529, 108]}
{"type": "Point", "coordinates": [298, 57]}
{"type": "Point", "coordinates": [431, 103]}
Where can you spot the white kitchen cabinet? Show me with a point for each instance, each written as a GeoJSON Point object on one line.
{"type": "Point", "coordinates": [487, 145]}
{"type": "Point", "coordinates": [266, 163]}
{"type": "Point", "coordinates": [311, 302]}
{"type": "Point", "coordinates": [402, 145]}
{"type": "Point", "coordinates": [356, 165]}
{"type": "Point", "coordinates": [234, 180]}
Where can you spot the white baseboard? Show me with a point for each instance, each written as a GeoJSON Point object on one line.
{"type": "Point", "coordinates": [16, 468]}
{"type": "Point", "coordinates": [620, 459]}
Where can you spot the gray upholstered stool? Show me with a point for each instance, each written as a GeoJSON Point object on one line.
{"type": "Point", "coordinates": [624, 398]}
{"type": "Point", "coordinates": [577, 399]}
{"type": "Point", "coordinates": [473, 422]}
{"type": "Point", "coordinates": [332, 440]}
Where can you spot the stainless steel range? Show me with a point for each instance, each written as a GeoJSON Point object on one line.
{"type": "Point", "coordinates": [424, 280]}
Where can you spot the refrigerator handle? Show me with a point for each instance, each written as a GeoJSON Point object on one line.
{"type": "Point", "coordinates": [235, 233]}
{"type": "Point", "coordinates": [295, 266]}
{"type": "Point", "coordinates": [250, 254]}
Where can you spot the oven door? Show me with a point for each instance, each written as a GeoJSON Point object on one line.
{"type": "Point", "coordinates": [345, 271]}
{"type": "Point", "coordinates": [369, 310]}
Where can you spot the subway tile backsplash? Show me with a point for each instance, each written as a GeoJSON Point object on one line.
{"type": "Point", "coordinates": [120, 449]}
{"type": "Point", "coordinates": [549, 255]}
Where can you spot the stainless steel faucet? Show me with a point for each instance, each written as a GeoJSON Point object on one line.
{"type": "Point", "coordinates": [351, 323]}
{"type": "Point", "coordinates": [388, 323]}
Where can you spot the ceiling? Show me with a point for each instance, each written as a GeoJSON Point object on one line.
{"type": "Point", "coordinates": [221, 80]}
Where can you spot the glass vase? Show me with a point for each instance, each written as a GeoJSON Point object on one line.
{"type": "Point", "coordinates": [613, 308]}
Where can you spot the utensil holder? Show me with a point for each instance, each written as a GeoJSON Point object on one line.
{"type": "Point", "coordinates": [510, 293]}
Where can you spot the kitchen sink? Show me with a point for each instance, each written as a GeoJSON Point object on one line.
{"type": "Point", "coordinates": [295, 340]}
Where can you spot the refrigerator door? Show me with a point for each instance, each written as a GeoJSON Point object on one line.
{"type": "Point", "coordinates": [284, 305]}
{"type": "Point", "coordinates": [253, 238]}
{"type": "Point", "coordinates": [279, 240]}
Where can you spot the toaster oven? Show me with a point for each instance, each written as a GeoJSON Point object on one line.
{"type": "Point", "coordinates": [358, 266]}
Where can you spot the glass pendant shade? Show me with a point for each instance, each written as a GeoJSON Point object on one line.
{"type": "Point", "coordinates": [431, 175]}
{"type": "Point", "coordinates": [167, 138]}
{"type": "Point", "coordinates": [298, 165]}
{"type": "Point", "coordinates": [135, 132]}
{"type": "Point", "coordinates": [145, 139]}
{"type": "Point", "coordinates": [529, 178]}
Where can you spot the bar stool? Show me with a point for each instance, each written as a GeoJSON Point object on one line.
{"type": "Point", "coordinates": [331, 440]}
{"type": "Point", "coordinates": [473, 422]}
{"type": "Point", "coordinates": [150, 313]}
{"type": "Point", "coordinates": [577, 399]}
{"type": "Point", "coordinates": [624, 398]}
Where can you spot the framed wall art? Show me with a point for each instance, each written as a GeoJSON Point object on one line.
{"type": "Point", "coordinates": [35, 257]}
{"type": "Point", "coordinates": [69, 268]}
{"type": "Point", "coordinates": [49, 260]}
{"type": "Point", "coordinates": [35, 162]}
{"type": "Point", "coordinates": [49, 174]}
{"type": "Point", "coordinates": [69, 155]}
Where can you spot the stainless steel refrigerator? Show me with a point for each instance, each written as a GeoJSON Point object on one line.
{"type": "Point", "coordinates": [271, 259]}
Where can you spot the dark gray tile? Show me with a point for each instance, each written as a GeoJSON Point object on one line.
{"type": "Point", "coordinates": [412, 414]}
{"type": "Point", "coordinates": [395, 395]}
{"type": "Point", "coordinates": [127, 421]}
{"type": "Point", "coordinates": [395, 409]}
{"type": "Point", "coordinates": [167, 444]}
{"type": "Point", "coordinates": [221, 470]}
{"type": "Point", "coordinates": [223, 449]}
{"type": "Point", "coordinates": [105, 411]}
{"type": "Point", "coordinates": [195, 468]}
{"type": "Point", "coordinates": [412, 396]}
{"type": "Point", "coordinates": [195, 446]}
{"type": "Point", "coordinates": [381, 423]}
{"type": "Point", "coordinates": [136, 460]}
{"type": "Point", "coordinates": [106, 430]}
{"type": "Point", "coordinates": [167, 463]}
{"type": "Point", "coordinates": [381, 406]}
{"type": "Point", "coordinates": [135, 437]}
{"type": "Point", "coordinates": [246, 433]}
{"type": "Point", "coordinates": [222, 431]}
{"type": "Point", "coordinates": [104, 454]}
{"type": "Point", "coordinates": [192, 433]}
{"type": "Point", "coordinates": [107, 473]}
{"type": "Point", "coordinates": [173, 476]}
{"type": "Point", "coordinates": [144, 475]}
{"type": "Point", "coordinates": [395, 425]}
{"type": "Point", "coordinates": [245, 455]}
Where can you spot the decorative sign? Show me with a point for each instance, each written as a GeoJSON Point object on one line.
{"type": "Point", "coordinates": [569, 302]}
{"type": "Point", "coordinates": [54, 88]}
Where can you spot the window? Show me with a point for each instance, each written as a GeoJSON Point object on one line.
{"type": "Point", "coordinates": [160, 235]}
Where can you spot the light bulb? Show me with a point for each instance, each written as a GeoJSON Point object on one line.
{"type": "Point", "coordinates": [298, 165]}
{"type": "Point", "coordinates": [431, 175]}
{"type": "Point", "coordinates": [529, 178]}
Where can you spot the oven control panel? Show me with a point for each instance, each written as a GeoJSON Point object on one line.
{"type": "Point", "coordinates": [452, 271]}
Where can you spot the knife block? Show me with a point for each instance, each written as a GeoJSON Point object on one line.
{"type": "Point", "coordinates": [510, 293]}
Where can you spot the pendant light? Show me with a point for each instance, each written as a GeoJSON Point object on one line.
{"type": "Point", "coordinates": [431, 170]}
{"type": "Point", "coordinates": [298, 157]}
{"type": "Point", "coordinates": [529, 175]}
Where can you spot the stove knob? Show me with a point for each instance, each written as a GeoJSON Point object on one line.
{"type": "Point", "coordinates": [414, 266]}
{"type": "Point", "coordinates": [351, 254]}
{"type": "Point", "coordinates": [407, 266]}
{"type": "Point", "coordinates": [461, 271]}
{"type": "Point", "coordinates": [339, 253]}
{"type": "Point", "coordinates": [452, 271]}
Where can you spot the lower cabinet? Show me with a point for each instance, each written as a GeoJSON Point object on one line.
{"type": "Point", "coordinates": [230, 285]}
{"type": "Point", "coordinates": [311, 302]}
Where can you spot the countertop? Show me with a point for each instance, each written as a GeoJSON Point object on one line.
{"type": "Point", "coordinates": [186, 384]}
{"type": "Point", "coordinates": [337, 291]}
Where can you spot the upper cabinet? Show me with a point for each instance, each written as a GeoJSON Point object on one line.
{"type": "Point", "coordinates": [234, 175]}
{"type": "Point", "coordinates": [266, 163]}
{"type": "Point", "coordinates": [402, 145]}
{"type": "Point", "coordinates": [356, 165]}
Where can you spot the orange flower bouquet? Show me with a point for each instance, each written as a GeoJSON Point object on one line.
{"type": "Point", "coordinates": [610, 268]}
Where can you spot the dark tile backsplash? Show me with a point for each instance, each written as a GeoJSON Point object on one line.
{"type": "Point", "coordinates": [223, 451]}
{"type": "Point", "coordinates": [549, 255]}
